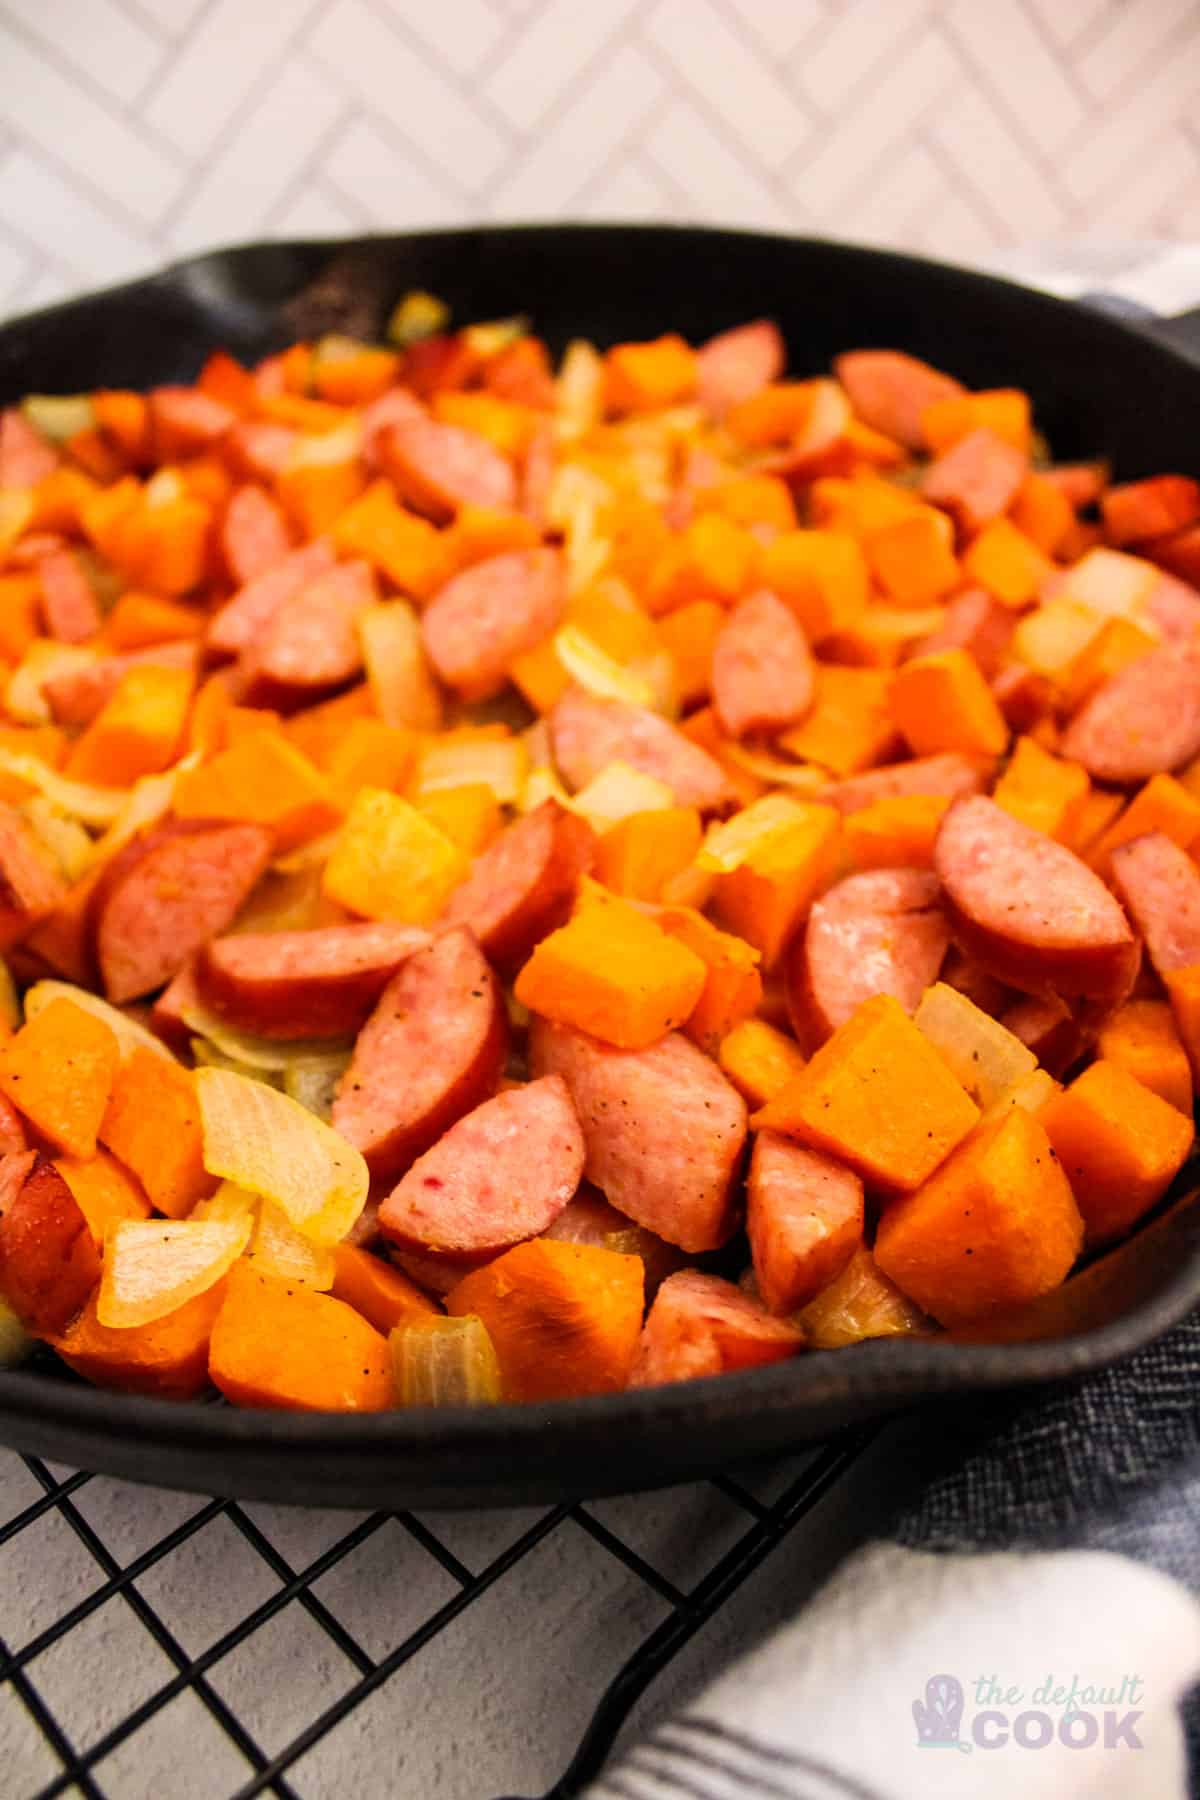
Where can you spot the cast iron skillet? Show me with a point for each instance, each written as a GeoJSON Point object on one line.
{"type": "Point", "coordinates": [1099, 386]}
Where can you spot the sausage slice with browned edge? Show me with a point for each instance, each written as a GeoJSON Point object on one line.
{"type": "Point", "coordinates": [482, 620]}
{"type": "Point", "coordinates": [702, 1325]}
{"type": "Point", "coordinates": [302, 984]}
{"type": "Point", "coordinates": [311, 646]}
{"type": "Point", "coordinates": [522, 887]}
{"type": "Point", "coordinates": [502, 1174]}
{"type": "Point", "coordinates": [664, 1129]}
{"type": "Point", "coordinates": [587, 734]}
{"type": "Point", "coordinates": [1144, 720]}
{"type": "Point", "coordinates": [762, 669]}
{"type": "Point", "coordinates": [804, 1219]}
{"type": "Point", "coordinates": [166, 894]}
{"type": "Point", "coordinates": [431, 1051]}
{"type": "Point", "coordinates": [1027, 908]}
{"type": "Point", "coordinates": [882, 932]}
{"type": "Point", "coordinates": [438, 468]}
{"type": "Point", "coordinates": [1160, 885]}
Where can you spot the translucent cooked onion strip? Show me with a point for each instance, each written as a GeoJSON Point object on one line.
{"type": "Point", "coordinates": [277, 1248]}
{"type": "Point", "coordinates": [313, 1081]}
{"type": "Point", "coordinates": [96, 806]}
{"type": "Point", "coordinates": [152, 1267]}
{"type": "Point", "coordinates": [259, 1052]}
{"type": "Point", "coordinates": [986, 1057]}
{"type": "Point", "coordinates": [279, 1150]}
{"type": "Point", "coordinates": [444, 1362]}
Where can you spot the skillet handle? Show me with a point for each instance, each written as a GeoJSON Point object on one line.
{"type": "Point", "coordinates": [1180, 331]}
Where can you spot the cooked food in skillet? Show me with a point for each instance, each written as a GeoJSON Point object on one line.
{"type": "Point", "coordinates": [521, 882]}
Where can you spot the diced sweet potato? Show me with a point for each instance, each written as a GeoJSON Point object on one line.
{"type": "Point", "coordinates": [1120, 1145]}
{"type": "Point", "coordinates": [996, 1226]}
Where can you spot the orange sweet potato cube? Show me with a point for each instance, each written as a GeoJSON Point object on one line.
{"type": "Point", "coordinates": [994, 1227]}
{"type": "Point", "coordinates": [877, 1095]}
{"type": "Point", "coordinates": [1120, 1145]}
{"type": "Point", "coordinates": [768, 895]}
{"type": "Point", "coordinates": [941, 701]}
{"type": "Point", "coordinates": [152, 1125]}
{"type": "Point", "coordinates": [614, 973]}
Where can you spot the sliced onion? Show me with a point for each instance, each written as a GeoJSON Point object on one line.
{"type": "Point", "coordinates": [63, 836]}
{"type": "Point", "coordinates": [727, 846]}
{"type": "Point", "coordinates": [207, 1056]}
{"type": "Point", "coordinates": [129, 1034]}
{"type": "Point", "coordinates": [803, 778]}
{"type": "Point", "coordinates": [418, 315]}
{"type": "Point", "coordinates": [277, 1248]}
{"type": "Point", "coordinates": [445, 1362]}
{"type": "Point", "coordinates": [580, 388]}
{"type": "Point", "coordinates": [227, 1202]}
{"type": "Point", "coordinates": [313, 1081]}
{"type": "Point", "coordinates": [542, 784]}
{"type": "Point", "coordinates": [1031, 1093]}
{"type": "Point", "coordinates": [601, 674]}
{"type": "Point", "coordinates": [491, 336]}
{"type": "Point", "coordinates": [59, 416]}
{"type": "Point", "coordinates": [152, 1267]}
{"type": "Point", "coordinates": [984, 1055]}
{"type": "Point", "coordinates": [272, 1145]}
{"type": "Point", "coordinates": [618, 791]}
{"type": "Point", "coordinates": [313, 855]}
{"type": "Point", "coordinates": [148, 801]}
{"type": "Point", "coordinates": [258, 1052]}
{"type": "Point", "coordinates": [91, 805]}
{"type": "Point", "coordinates": [500, 764]}
{"type": "Point", "coordinates": [402, 684]}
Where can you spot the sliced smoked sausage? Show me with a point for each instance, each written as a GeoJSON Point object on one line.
{"type": "Point", "coordinates": [302, 984]}
{"type": "Point", "coordinates": [702, 1325]}
{"type": "Point", "coordinates": [253, 608]}
{"type": "Point", "coordinates": [736, 364]}
{"type": "Point", "coordinates": [254, 533]}
{"type": "Point", "coordinates": [522, 887]}
{"type": "Point", "coordinates": [432, 1049]}
{"type": "Point", "coordinates": [166, 894]}
{"type": "Point", "coordinates": [502, 1174]}
{"type": "Point", "coordinates": [438, 468]}
{"type": "Point", "coordinates": [883, 932]}
{"type": "Point", "coordinates": [949, 773]}
{"type": "Point", "coordinates": [311, 645]}
{"type": "Point", "coordinates": [664, 1129]}
{"type": "Point", "coordinates": [762, 669]}
{"type": "Point", "coordinates": [1160, 886]}
{"type": "Point", "coordinates": [1027, 908]}
{"type": "Point", "coordinates": [587, 734]}
{"type": "Point", "coordinates": [804, 1219]}
{"type": "Point", "coordinates": [481, 621]}
{"type": "Point", "coordinates": [1144, 720]}
{"type": "Point", "coordinates": [889, 390]}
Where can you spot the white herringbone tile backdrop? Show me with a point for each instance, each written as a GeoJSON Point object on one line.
{"type": "Point", "coordinates": [134, 131]}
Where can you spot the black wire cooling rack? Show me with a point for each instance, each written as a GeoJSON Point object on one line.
{"type": "Point", "coordinates": [56, 1524]}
